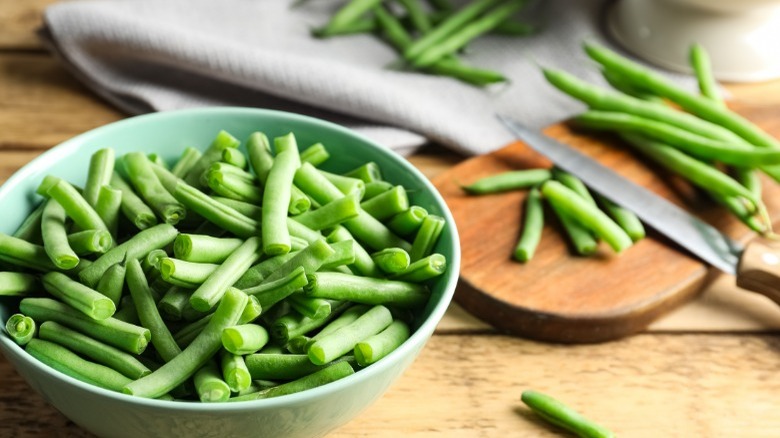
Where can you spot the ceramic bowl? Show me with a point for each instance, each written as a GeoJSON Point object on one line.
{"type": "Point", "coordinates": [307, 414]}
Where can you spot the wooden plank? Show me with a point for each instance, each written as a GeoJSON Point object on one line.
{"type": "Point", "coordinates": [20, 21]}
{"type": "Point", "coordinates": [43, 104]}
{"type": "Point", "coordinates": [466, 386]}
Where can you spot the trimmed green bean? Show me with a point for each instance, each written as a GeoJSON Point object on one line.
{"type": "Point", "coordinates": [215, 212]}
{"type": "Point", "coordinates": [375, 188]}
{"type": "Point", "coordinates": [209, 384]}
{"type": "Point", "coordinates": [254, 275]}
{"type": "Point", "coordinates": [299, 202]}
{"type": "Point", "coordinates": [346, 185]}
{"type": "Point", "coordinates": [197, 353]}
{"type": "Point", "coordinates": [426, 237]}
{"type": "Point", "coordinates": [189, 156]}
{"type": "Point", "coordinates": [212, 290]}
{"type": "Point", "coordinates": [315, 154]}
{"type": "Point", "coordinates": [67, 362]}
{"type": "Point", "coordinates": [24, 254]}
{"type": "Point", "coordinates": [82, 298]}
{"type": "Point", "coordinates": [344, 254]}
{"type": "Point", "coordinates": [133, 207]}
{"type": "Point", "coordinates": [348, 14]}
{"type": "Point", "coordinates": [310, 258]}
{"type": "Point", "coordinates": [127, 337]}
{"type": "Point", "coordinates": [17, 284]}
{"type": "Point", "coordinates": [294, 324]}
{"type": "Point", "coordinates": [363, 263]}
{"type": "Point", "coordinates": [136, 247]}
{"type": "Point", "coordinates": [150, 317]}
{"type": "Point", "coordinates": [211, 155]}
{"type": "Point", "coordinates": [586, 214]}
{"type": "Point", "coordinates": [424, 269]}
{"type": "Point", "coordinates": [30, 229]}
{"type": "Point", "coordinates": [269, 293]}
{"type": "Point", "coordinates": [83, 215]}
{"type": "Point", "coordinates": [376, 347]}
{"type": "Point", "coordinates": [158, 160]}
{"type": "Point", "coordinates": [324, 376]}
{"type": "Point", "coordinates": [295, 228]}
{"type": "Point", "coordinates": [101, 166]}
{"type": "Point", "coordinates": [407, 222]}
{"type": "Point", "coordinates": [90, 241]}
{"type": "Point", "coordinates": [185, 274]}
{"type": "Point", "coordinates": [146, 183]}
{"type": "Point", "coordinates": [234, 187]}
{"type": "Point", "coordinates": [234, 157]}
{"type": "Point", "coordinates": [173, 303]}
{"type": "Point", "coordinates": [108, 207]}
{"type": "Point", "coordinates": [127, 312]}
{"type": "Point", "coordinates": [331, 214]}
{"type": "Point", "coordinates": [365, 290]}
{"type": "Point", "coordinates": [387, 204]}
{"type": "Point", "coordinates": [510, 180]}
{"type": "Point", "coordinates": [369, 172]}
{"type": "Point", "coordinates": [244, 339]}
{"type": "Point", "coordinates": [335, 345]}
{"type": "Point", "coordinates": [111, 284]}
{"type": "Point", "coordinates": [563, 416]}
{"type": "Point", "coordinates": [55, 236]}
{"type": "Point", "coordinates": [260, 158]}
{"type": "Point", "coordinates": [392, 260]}
{"type": "Point", "coordinates": [95, 350]}
{"type": "Point", "coordinates": [627, 220]}
{"type": "Point", "coordinates": [235, 372]}
{"type": "Point", "coordinates": [533, 223]}
{"type": "Point", "coordinates": [204, 249]}
{"type": "Point", "coordinates": [276, 197]}
{"type": "Point", "coordinates": [20, 328]}
{"type": "Point", "coordinates": [312, 307]}
{"type": "Point", "coordinates": [280, 366]}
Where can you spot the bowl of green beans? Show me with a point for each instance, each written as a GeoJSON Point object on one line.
{"type": "Point", "coordinates": [220, 272]}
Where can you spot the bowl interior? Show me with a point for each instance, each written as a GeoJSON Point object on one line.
{"type": "Point", "coordinates": [168, 134]}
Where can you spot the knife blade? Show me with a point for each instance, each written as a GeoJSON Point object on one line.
{"type": "Point", "coordinates": [693, 234]}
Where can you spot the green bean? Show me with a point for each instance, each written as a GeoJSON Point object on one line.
{"type": "Point", "coordinates": [583, 241]}
{"type": "Point", "coordinates": [700, 61]}
{"type": "Point", "coordinates": [173, 303]}
{"type": "Point", "coordinates": [17, 284]}
{"type": "Point", "coordinates": [30, 229]}
{"type": "Point", "coordinates": [344, 254]}
{"type": "Point", "coordinates": [127, 312]}
{"type": "Point", "coordinates": [150, 317]}
{"type": "Point", "coordinates": [158, 160]}
{"type": "Point", "coordinates": [295, 228]}
{"type": "Point", "coordinates": [417, 15]}
{"type": "Point", "coordinates": [408, 221]}
{"type": "Point", "coordinates": [235, 372]}
{"type": "Point", "coordinates": [269, 293]}
{"type": "Point", "coordinates": [280, 366]}
{"type": "Point", "coordinates": [297, 243]}
{"type": "Point", "coordinates": [20, 328]}
{"type": "Point", "coordinates": [244, 339]}
{"type": "Point", "coordinates": [294, 324]}
{"type": "Point", "coordinates": [738, 209]}
{"type": "Point", "coordinates": [299, 202]}
{"type": "Point", "coordinates": [97, 351]}
{"type": "Point", "coordinates": [346, 185]}
{"type": "Point", "coordinates": [586, 214]}
{"type": "Point", "coordinates": [67, 362]}
{"type": "Point", "coordinates": [90, 241]}
{"type": "Point", "coordinates": [697, 172]}
{"type": "Point", "coordinates": [573, 183]}
{"type": "Point", "coordinates": [563, 416]}
{"type": "Point", "coordinates": [331, 214]}
{"type": "Point", "coordinates": [260, 158]}
{"type": "Point", "coordinates": [209, 384]}
{"type": "Point", "coordinates": [189, 156]}
{"type": "Point", "coordinates": [750, 179]}
{"type": "Point", "coordinates": [82, 298]}
{"type": "Point", "coordinates": [618, 83]}
{"type": "Point", "coordinates": [234, 157]}
{"type": "Point", "coordinates": [136, 247]}
{"type": "Point", "coordinates": [212, 290]}
{"type": "Point", "coordinates": [533, 224]}
{"type": "Point", "coordinates": [369, 172]}
{"type": "Point", "coordinates": [426, 237]}
{"type": "Point", "coordinates": [375, 188]}
{"type": "Point", "coordinates": [391, 260]}
{"type": "Point", "coordinates": [127, 337]}
{"type": "Point", "coordinates": [694, 144]}
{"type": "Point", "coordinates": [185, 274]}
{"type": "Point", "coordinates": [310, 258]}
{"type": "Point", "coordinates": [24, 254]}
{"type": "Point", "coordinates": [348, 14]}
{"type": "Point", "coordinates": [312, 307]}
{"type": "Point", "coordinates": [363, 263]}
{"type": "Point", "coordinates": [211, 155]}
{"type": "Point", "coordinates": [365, 290]}
{"type": "Point", "coordinates": [510, 180]}
{"type": "Point", "coordinates": [324, 376]}
{"type": "Point", "coordinates": [55, 237]}
{"type": "Point", "coordinates": [101, 166]}
{"type": "Point", "coordinates": [145, 181]}
{"type": "Point", "coordinates": [423, 270]}
{"type": "Point", "coordinates": [234, 187]}
{"type": "Point", "coordinates": [254, 275]}
{"type": "Point", "coordinates": [627, 220]}
{"type": "Point", "coordinates": [462, 36]}
{"type": "Point", "coordinates": [387, 204]}
{"type": "Point", "coordinates": [215, 212]}
{"type": "Point", "coordinates": [314, 183]}
{"type": "Point", "coordinates": [345, 318]}
{"type": "Point", "coordinates": [108, 207]}
{"type": "Point", "coordinates": [372, 349]}
{"type": "Point", "coordinates": [450, 25]}
{"type": "Point", "coordinates": [197, 353]}
{"type": "Point", "coordinates": [112, 283]}
{"type": "Point", "coordinates": [204, 249]}
{"type": "Point", "coordinates": [698, 105]}
{"type": "Point", "coordinates": [133, 207]}
{"type": "Point", "coordinates": [362, 25]}
{"type": "Point", "coordinates": [83, 215]}
{"type": "Point", "coordinates": [276, 197]}
{"type": "Point", "coordinates": [335, 345]}
{"type": "Point", "coordinates": [315, 154]}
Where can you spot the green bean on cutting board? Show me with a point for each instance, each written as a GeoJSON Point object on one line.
{"type": "Point", "coordinates": [151, 309]}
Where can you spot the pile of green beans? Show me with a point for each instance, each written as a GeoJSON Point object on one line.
{"type": "Point", "coordinates": [584, 217]}
{"type": "Point", "coordinates": [715, 149]}
{"type": "Point", "coordinates": [242, 272]}
{"type": "Point", "coordinates": [430, 34]}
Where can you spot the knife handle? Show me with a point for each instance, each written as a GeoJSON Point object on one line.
{"type": "Point", "coordinates": [759, 268]}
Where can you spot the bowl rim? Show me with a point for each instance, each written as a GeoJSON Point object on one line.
{"type": "Point", "coordinates": [418, 338]}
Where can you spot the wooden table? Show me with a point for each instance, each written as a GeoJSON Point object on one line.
{"type": "Point", "coordinates": [709, 369]}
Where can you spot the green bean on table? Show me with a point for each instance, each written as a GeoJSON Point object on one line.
{"type": "Point", "coordinates": [563, 416]}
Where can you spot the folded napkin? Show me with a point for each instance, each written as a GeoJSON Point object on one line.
{"type": "Point", "coordinates": [158, 55]}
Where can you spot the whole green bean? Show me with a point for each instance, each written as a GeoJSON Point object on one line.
{"type": "Point", "coordinates": [17, 284]}
{"type": "Point", "coordinates": [212, 290]}
{"type": "Point", "coordinates": [372, 349]}
{"type": "Point", "coordinates": [574, 183]}
{"type": "Point", "coordinates": [563, 416]}
{"type": "Point", "coordinates": [276, 197]}
{"type": "Point", "coordinates": [101, 166]}
{"type": "Point", "coordinates": [533, 223]}
{"type": "Point", "coordinates": [335, 345]}
{"type": "Point", "coordinates": [211, 155]}
{"type": "Point", "coordinates": [209, 384]}
{"type": "Point", "coordinates": [146, 183]}
{"type": "Point", "coordinates": [338, 286]}
{"type": "Point", "coordinates": [55, 236]}
{"type": "Point", "coordinates": [67, 362]}
{"type": "Point", "coordinates": [133, 207]}
{"type": "Point", "coordinates": [331, 214]}
{"type": "Point", "coordinates": [100, 352]}
{"type": "Point", "coordinates": [189, 156]}
{"type": "Point", "coordinates": [197, 353]}
{"type": "Point", "coordinates": [90, 241]}
{"type": "Point", "coordinates": [82, 298]}
{"type": "Point", "coordinates": [510, 180]}
{"type": "Point", "coordinates": [20, 328]}
{"type": "Point", "coordinates": [108, 207]}
{"type": "Point", "coordinates": [127, 337]}
{"type": "Point", "coordinates": [581, 239]}
{"type": "Point", "coordinates": [348, 14]}
{"type": "Point", "coordinates": [235, 372]}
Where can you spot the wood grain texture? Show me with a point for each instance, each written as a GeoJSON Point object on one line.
{"type": "Point", "coordinates": [558, 296]}
{"type": "Point", "coordinates": [20, 19]}
{"type": "Point", "coordinates": [469, 386]}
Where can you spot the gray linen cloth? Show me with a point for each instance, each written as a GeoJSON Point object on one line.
{"type": "Point", "coordinates": [158, 55]}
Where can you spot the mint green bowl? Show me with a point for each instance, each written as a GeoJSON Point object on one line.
{"type": "Point", "coordinates": [307, 414]}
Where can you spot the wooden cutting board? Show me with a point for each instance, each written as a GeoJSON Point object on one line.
{"type": "Point", "coordinates": [561, 297]}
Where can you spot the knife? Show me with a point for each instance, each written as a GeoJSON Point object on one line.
{"type": "Point", "coordinates": [756, 265]}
